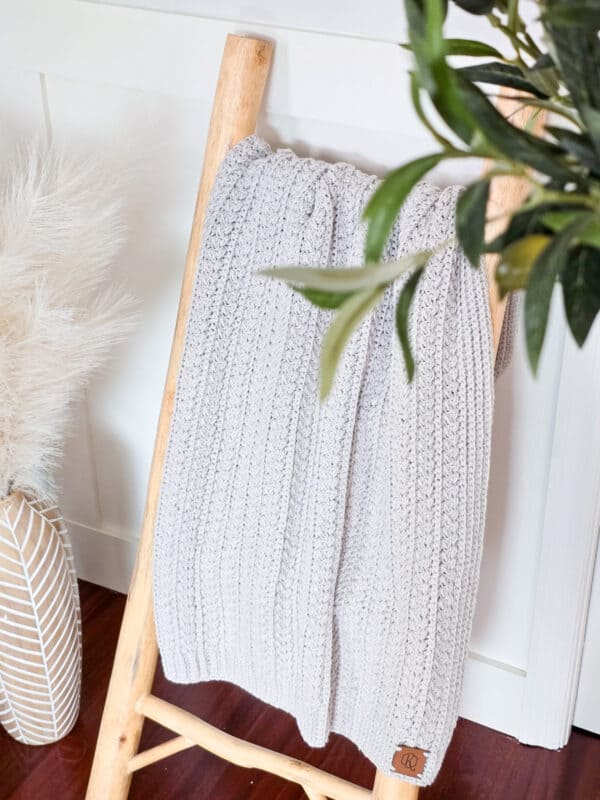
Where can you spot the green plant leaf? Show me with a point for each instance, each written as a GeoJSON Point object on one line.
{"type": "Point", "coordinates": [591, 117]}
{"type": "Point", "coordinates": [471, 47]}
{"type": "Point", "coordinates": [385, 204]}
{"type": "Point", "coordinates": [517, 144]}
{"type": "Point", "coordinates": [577, 144]}
{"type": "Point", "coordinates": [323, 299]}
{"type": "Point", "coordinates": [470, 219]}
{"type": "Point", "coordinates": [402, 311]}
{"type": "Point", "coordinates": [575, 12]}
{"type": "Point", "coordinates": [347, 319]}
{"type": "Point", "coordinates": [476, 6]}
{"type": "Point", "coordinates": [527, 222]}
{"type": "Point", "coordinates": [557, 220]}
{"type": "Point", "coordinates": [544, 62]}
{"type": "Point", "coordinates": [513, 270]}
{"type": "Point", "coordinates": [581, 290]}
{"type": "Point", "coordinates": [544, 274]}
{"type": "Point", "coordinates": [544, 76]}
{"type": "Point", "coordinates": [572, 30]}
{"type": "Point", "coordinates": [435, 75]}
{"type": "Point", "coordinates": [350, 279]}
{"type": "Point", "coordinates": [466, 47]}
{"type": "Point", "coordinates": [500, 74]}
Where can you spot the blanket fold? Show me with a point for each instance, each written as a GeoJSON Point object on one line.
{"type": "Point", "coordinates": [325, 557]}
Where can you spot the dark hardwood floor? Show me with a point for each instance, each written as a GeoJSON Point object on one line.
{"type": "Point", "coordinates": [480, 764]}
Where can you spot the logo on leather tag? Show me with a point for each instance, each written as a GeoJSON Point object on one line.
{"type": "Point", "coordinates": [409, 761]}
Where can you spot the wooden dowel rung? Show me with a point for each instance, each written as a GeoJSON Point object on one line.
{"type": "Point", "coordinates": [312, 795]}
{"type": "Point", "coordinates": [246, 754]}
{"type": "Point", "coordinates": [159, 752]}
{"type": "Point", "coordinates": [386, 787]}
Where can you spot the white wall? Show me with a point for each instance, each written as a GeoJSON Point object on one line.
{"type": "Point", "coordinates": [136, 86]}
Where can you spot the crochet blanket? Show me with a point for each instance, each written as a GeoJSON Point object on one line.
{"type": "Point", "coordinates": [326, 557]}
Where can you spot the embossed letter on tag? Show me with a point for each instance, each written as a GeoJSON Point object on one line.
{"type": "Point", "coordinates": [409, 761]}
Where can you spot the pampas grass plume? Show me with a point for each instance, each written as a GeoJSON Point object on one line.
{"type": "Point", "coordinates": [60, 314]}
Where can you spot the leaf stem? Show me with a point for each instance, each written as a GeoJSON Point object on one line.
{"type": "Point", "coordinates": [553, 105]}
{"type": "Point", "coordinates": [543, 195]}
{"type": "Point", "coordinates": [528, 47]}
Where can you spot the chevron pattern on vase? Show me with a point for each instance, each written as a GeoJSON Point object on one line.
{"type": "Point", "coordinates": [40, 622]}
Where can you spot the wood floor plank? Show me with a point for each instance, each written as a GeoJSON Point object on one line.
{"type": "Point", "coordinates": [481, 764]}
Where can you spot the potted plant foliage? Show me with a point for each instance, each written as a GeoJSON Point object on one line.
{"type": "Point", "coordinates": [554, 235]}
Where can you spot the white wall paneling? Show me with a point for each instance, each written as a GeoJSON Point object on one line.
{"type": "Point", "coordinates": [587, 709]}
{"type": "Point", "coordinates": [154, 143]}
{"type": "Point", "coordinates": [522, 441]}
{"type": "Point", "coordinates": [21, 109]}
{"type": "Point", "coordinates": [381, 20]}
{"type": "Point", "coordinates": [567, 551]}
{"type": "Point", "coordinates": [377, 20]}
{"type": "Point", "coordinates": [314, 76]}
{"type": "Point", "coordinates": [79, 479]}
{"type": "Point", "coordinates": [136, 86]}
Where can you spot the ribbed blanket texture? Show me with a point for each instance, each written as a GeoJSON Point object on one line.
{"type": "Point", "coordinates": [326, 557]}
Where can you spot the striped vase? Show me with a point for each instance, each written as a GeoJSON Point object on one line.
{"type": "Point", "coordinates": [40, 622]}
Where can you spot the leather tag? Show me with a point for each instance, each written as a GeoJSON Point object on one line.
{"type": "Point", "coordinates": [409, 761]}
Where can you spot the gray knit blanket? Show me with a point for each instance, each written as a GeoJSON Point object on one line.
{"type": "Point", "coordinates": [326, 557]}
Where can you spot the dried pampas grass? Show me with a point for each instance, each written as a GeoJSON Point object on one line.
{"type": "Point", "coordinates": [60, 230]}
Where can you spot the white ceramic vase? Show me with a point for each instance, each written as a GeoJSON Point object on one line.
{"type": "Point", "coordinates": [40, 622]}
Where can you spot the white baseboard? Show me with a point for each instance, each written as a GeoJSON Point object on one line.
{"type": "Point", "coordinates": [102, 557]}
{"type": "Point", "coordinates": [492, 692]}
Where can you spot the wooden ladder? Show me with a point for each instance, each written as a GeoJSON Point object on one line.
{"type": "Point", "coordinates": [238, 97]}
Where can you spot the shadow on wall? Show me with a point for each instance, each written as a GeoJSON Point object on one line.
{"type": "Point", "coordinates": [489, 596]}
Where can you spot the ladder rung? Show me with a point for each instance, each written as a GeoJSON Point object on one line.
{"type": "Point", "coordinates": [246, 754]}
{"type": "Point", "coordinates": [159, 752]}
